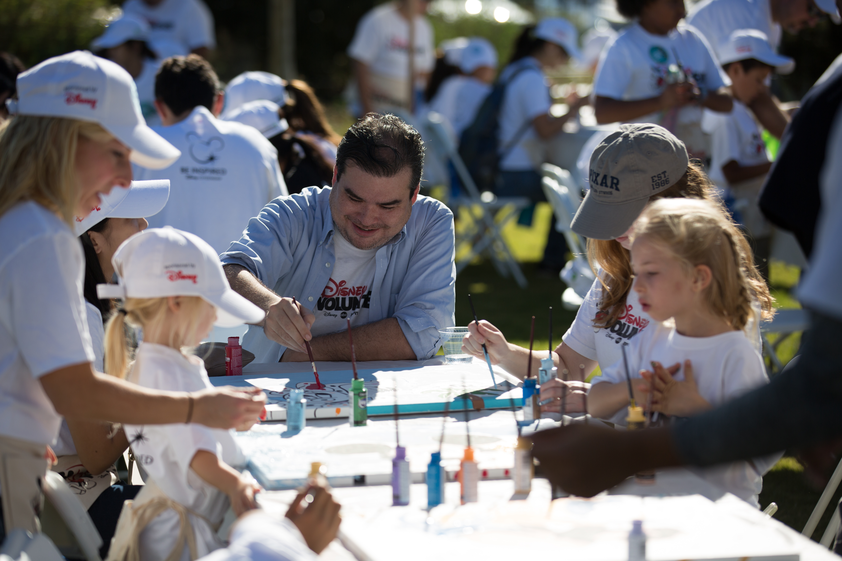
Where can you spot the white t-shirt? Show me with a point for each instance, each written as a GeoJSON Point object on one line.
{"type": "Point", "coordinates": [526, 97]}
{"type": "Point", "coordinates": [600, 344]}
{"type": "Point", "coordinates": [382, 41]}
{"type": "Point", "coordinates": [165, 451]}
{"type": "Point", "coordinates": [735, 136]}
{"type": "Point", "coordinates": [263, 537]}
{"type": "Point", "coordinates": [725, 366]}
{"type": "Point", "coordinates": [348, 292]}
{"type": "Point", "coordinates": [716, 20]}
{"type": "Point", "coordinates": [226, 173]}
{"type": "Point", "coordinates": [635, 65]}
{"type": "Point", "coordinates": [187, 22]}
{"type": "Point", "coordinates": [43, 324]}
{"type": "Point", "coordinates": [458, 99]}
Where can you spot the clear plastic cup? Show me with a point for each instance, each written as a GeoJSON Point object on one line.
{"type": "Point", "coordinates": [452, 344]}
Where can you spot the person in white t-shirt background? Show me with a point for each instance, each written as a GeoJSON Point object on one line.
{"type": "Point", "coordinates": [631, 167]}
{"type": "Point", "coordinates": [716, 20]}
{"type": "Point", "coordinates": [659, 71]}
{"type": "Point", "coordinates": [694, 276]}
{"type": "Point", "coordinates": [739, 162]}
{"type": "Point", "coordinates": [187, 22]}
{"type": "Point", "coordinates": [380, 57]}
{"type": "Point", "coordinates": [227, 171]}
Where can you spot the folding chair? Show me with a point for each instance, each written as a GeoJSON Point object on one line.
{"type": "Point", "coordinates": [785, 323]}
{"type": "Point", "coordinates": [484, 237]}
{"type": "Point", "coordinates": [562, 194]}
{"type": "Point", "coordinates": [74, 516]}
{"type": "Point", "coordinates": [821, 507]}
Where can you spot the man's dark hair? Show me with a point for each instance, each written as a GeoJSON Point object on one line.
{"type": "Point", "coordinates": [185, 82]}
{"type": "Point", "coordinates": [382, 146]}
{"type": "Point", "coordinates": [631, 9]}
{"type": "Point", "coordinates": [747, 64]}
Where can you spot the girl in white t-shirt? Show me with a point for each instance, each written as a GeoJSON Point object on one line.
{"type": "Point", "coordinates": [657, 71]}
{"type": "Point", "coordinates": [695, 277]}
{"type": "Point", "coordinates": [611, 313]}
{"type": "Point", "coordinates": [174, 289]}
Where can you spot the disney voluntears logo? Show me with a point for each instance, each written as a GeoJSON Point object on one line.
{"type": "Point", "coordinates": [80, 95]}
{"type": "Point", "coordinates": [346, 301]}
{"type": "Point", "coordinates": [204, 152]}
{"type": "Point", "coordinates": [627, 325]}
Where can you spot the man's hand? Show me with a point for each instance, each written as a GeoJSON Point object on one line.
{"type": "Point", "coordinates": [228, 407]}
{"type": "Point", "coordinates": [288, 323]}
{"type": "Point", "coordinates": [317, 521]}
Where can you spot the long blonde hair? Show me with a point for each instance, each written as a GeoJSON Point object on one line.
{"type": "Point", "coordinates": [700, 233]}
{"type": "Point", "coordinates": [148, 314]}
{"type": "Point", "coordinates": [614, 260]}
{"type": "Point", "coordinates": [38, 162]}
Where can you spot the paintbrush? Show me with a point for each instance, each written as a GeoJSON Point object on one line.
{"type": "Point", "coordinates": [353, 353]}
{"type": "Point", "coordinates": [531, 340]}
{"type": "Point", "coordinates": [628, 375]}
{"type": "Point", "coordinates": [550, 346]}
{"type": "Point", "coordinates": [584, 395]}
{"type": "Point", "coordinates": [319, 385]}
{"type": "Point", "coordinates": [444, 422]}
{"type": "Point", "coordinates": [484, 349]}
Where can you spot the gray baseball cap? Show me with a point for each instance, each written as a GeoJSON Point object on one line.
{"type": "Point", "coordinates": [627, 168]}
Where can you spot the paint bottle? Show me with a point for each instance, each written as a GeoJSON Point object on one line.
{"type": "Point", "coordinates": [547, 372]}
{"type": "Point", "coordinates": [637, 542]}
{"type": "Point", "coordinates": [435, 481]}
{"type": "Point", "coordinates": [636, 420]}
{"type": "Point", "coordinates": [469, 478]}
{"type": "Point", "coordinates": [531, 409]}
{"type": "Point", "coordinates": [400, 478]}
{"type": "Point", "coordinates": [233, 357]}
{"type": "Point", "coordinates": [296, 407]}
{"type": "Point", "coordinates": [359, 412]}
{"type": "Point", "coordinates": [524, 468]}
{"type": "Point", "coordinates": [318, 475]}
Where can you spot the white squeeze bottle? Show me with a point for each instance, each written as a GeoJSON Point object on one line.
{"type": "Point", "coordinates": [637, 542]}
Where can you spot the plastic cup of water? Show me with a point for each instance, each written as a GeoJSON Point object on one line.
{"type": "Point", "coordinates": [452, 344]}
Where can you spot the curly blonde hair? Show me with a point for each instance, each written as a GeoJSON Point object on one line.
{"type": "Point", "coordinates": [700, 233]}
{"type": "Point", "coordinates": [614, 260]}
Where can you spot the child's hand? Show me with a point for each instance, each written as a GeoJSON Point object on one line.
{"type": "Point", "coordinates": [678, 95]}
{"type": "Point", "coordinates": [493, 339]}
{"type": "Point", "coordinates": [242, 496]}
{"type": "Point", "coordinates": [672, 397]}
{"type": "Point", "coordinates": [574, 396]}
{"type": "Point", "coordinates": [319, 521]}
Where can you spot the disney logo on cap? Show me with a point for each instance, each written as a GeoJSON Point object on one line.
{"type": "Point", "coordinates": [94, 209]}
{"type": "Point", "coordinates": [174, 276]}
{"type": "Point", "coordinates": [77, 99]}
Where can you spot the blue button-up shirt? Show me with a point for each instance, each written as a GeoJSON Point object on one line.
{"type": "Point", "coordinates": [289, 248]}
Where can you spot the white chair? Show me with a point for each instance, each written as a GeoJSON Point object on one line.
{"type": "Point", "coordinates": [785, 323]}
{"type": "Point", "coordinates": [821, 507]}
{"type": "Point", "coordinates": [74, 516]}
{"type": "Point", "coordinates": [561, 192]}
{"type": "Point", "coordinates": [20, 545]}
{"type": "Point", "coordinates": [484, 237]}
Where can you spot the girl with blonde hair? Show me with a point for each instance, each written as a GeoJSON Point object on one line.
{"type": "Point", "coordinates": [695, 277]}
{"type": "Point", "coordinates": [74, 129]}
{"type": "Point", "coordinates": [630, 168]}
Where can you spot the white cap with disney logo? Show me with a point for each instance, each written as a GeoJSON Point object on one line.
{"type": "Point", "coordinates": [162, 262]}
{"type": "Point", "coordinates": [82, 86]}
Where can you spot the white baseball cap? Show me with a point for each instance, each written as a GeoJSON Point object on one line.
{"type": "Point", "coordinates": [252, 86]}
{"type": "Point", "coordinates": [162, 262]}
{"type": "Point", "coordinates": [138, 200]}
{"type": "Point", "coordinates": [830, 8]}
{"type": "Point", "coordinates": [476, 54]}
{"type": "Point", "coordinates": [262, 115]}
{"type": "Point", "coordinates": [82, 86]}
{"type": "Point", "coordinates": [125, 28]}
{"type": "Point", "coordinates": [562, 33]}
{"type": "Point", "coordinates": [744, 44]}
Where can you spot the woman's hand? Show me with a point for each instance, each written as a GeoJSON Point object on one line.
{"type": "Point", "coordinates": [671, 397]}
{"type": "Point", "coordinates": [242, 496]}
{"type": "Point", "coordinates": [228, 407]}
{"type": "Point", "coordinates": [573, 393]}
{"type": "Point", "coordinates": [493, 338]}
{"type": "Point", "coordinates": [317, 521]}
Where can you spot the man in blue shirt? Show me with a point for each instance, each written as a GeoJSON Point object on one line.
{"type": "Point", "coordinates": [369, 250]}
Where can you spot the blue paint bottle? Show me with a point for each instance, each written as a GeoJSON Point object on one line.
{"type": "Point", "coordinates": [296, 407]}
{"type": "Point", "coordinates": [435, 481]}
{"type": "Point", "coordinates": [531, 409]}
{"type": "Point", "coordinates": [547, 372]}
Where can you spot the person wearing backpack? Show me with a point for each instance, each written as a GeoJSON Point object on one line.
{"type": "Point", "coordinates": [524, 116]}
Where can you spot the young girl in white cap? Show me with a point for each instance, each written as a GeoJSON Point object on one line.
{"type": "Point", "coordinates": [631, 167]}
{"type": "Point", "coordinates": [695, 277]}
{"type": "Point", "coordinates": [75, 127]}
{"type": "Point", "coordinates": [174, 290]}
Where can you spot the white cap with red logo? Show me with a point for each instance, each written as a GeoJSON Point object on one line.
{"type": "Point", "coordinates": [745, 44]}
{"type": "Point", "coordinates": [140, 200]}
{"type": "Point", "coordinates": [82, 86]}
{"type": "Point", "coordinates": [162, 262]}
{"type": "Point", "coordinates": [560, 32]}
